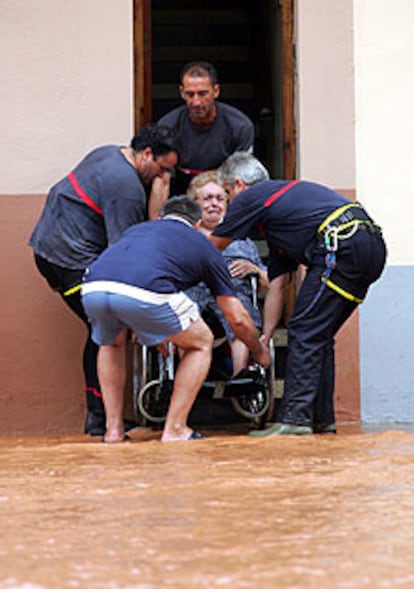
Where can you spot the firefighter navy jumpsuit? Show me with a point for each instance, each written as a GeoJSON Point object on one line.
{"type": "Point", "coordinates": [310, 224]}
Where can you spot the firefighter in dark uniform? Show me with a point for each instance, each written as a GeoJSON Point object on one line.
{"type": "Point", "coordinates": [344, 252]}
{"type": "Point", "coordinates": [85, 212]}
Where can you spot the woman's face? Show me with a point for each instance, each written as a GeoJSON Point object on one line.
{"type": "Point", "coordinates": [213, 202]}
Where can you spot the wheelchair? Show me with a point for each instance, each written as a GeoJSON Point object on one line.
{"type": "Point", "coordinates": [251, 393]}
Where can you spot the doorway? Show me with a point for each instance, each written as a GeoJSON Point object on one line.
{"type": "Point", "coordinates": [251, 45]}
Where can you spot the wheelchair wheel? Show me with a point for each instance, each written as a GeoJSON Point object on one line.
{"type": "Point", "coordinates": [153, 400]}
{"type": "Point", "coordinates": [253, 405]}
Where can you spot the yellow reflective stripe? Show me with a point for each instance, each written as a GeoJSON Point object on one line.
{"type": "Point", "coordinates": [347, 295]}
{"type": "Point", "coordinates": [347, 225]}
{"type": "Point", "coordinates": [353, 226]}
{"type": "Point", "coordinates": [336, 213]}
{"type": "Point", "coordinates": [72, 290]}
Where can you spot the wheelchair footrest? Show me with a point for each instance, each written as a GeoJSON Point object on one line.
{"type": "Point", "coordinates": [244, 387]}
{"type": "Point", "coordinates": [247, 382]}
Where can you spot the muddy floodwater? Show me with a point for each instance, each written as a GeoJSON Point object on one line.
{"type": "Point", "coordinates": [225, 512]}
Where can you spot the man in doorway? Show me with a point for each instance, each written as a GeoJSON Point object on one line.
{"type": "Point", "coordinates": [89, 209]}
{"type": "Point", "coordinates": [344, 252]}
{"type": "Point", "coordinates": [147, 297]}
{"type": "Point", "coordinates": [209, 130]}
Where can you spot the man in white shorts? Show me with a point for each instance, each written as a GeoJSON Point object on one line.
{"type": "Point", "coordinates": [137, 283]}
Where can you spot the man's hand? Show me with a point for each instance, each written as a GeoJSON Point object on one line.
{"type": "Point", "coordinates": [163, 348]}
{"type": "Point", "coordinates": [263, 354]}
{"type": "Point", "coordinates": [242, 268]}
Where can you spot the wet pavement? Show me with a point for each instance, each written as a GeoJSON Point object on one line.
{"type": "Point", "coordinates": [228, 511]}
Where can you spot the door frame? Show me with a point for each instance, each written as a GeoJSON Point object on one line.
{"type": "Point", "coordinates": [142, 52]}
{"type": "Point", "coordinates": [142, 55]}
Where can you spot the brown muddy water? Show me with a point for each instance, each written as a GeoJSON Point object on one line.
{"type": "Point", "coordinates": [225, 512]}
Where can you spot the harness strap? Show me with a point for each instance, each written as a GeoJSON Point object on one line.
{"type": "Point", "coordinates": [348, 218]}
{"type": "Point", "coordinates": [341, 291]}
{"type": "Point", "coordinates": [326, 282]}
{"type": "Point", "coordinates": [82, 195]}
{"type": "Point", "coordinates": [335, 214]}
{"type": "Point", "coordinates": [72, 290]}
{"type": "Point", "coordinates": [345, 221]}
{"type": "Point", "coordinates": [337, 222]}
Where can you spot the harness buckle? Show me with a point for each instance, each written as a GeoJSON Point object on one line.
{"type": "Point", "coordinates": [331, 239]}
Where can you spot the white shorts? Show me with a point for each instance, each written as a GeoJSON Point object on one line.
{"type": "Point", "coordinates": [153, 317]}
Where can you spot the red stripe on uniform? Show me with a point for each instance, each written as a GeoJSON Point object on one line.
{"type": "Point", "coordinates": [82, 195]}
{"type": "Point", "coordinates": [276, 195]}
{"type": "Point", "coordinates": [94, 392]}
{"type": "Point", "coordinates": [191, 171]}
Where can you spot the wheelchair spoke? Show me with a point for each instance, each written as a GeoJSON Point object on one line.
{"type": "Point", "coordinates": [154, 399]}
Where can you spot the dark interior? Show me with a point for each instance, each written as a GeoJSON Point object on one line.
{"type": "Point", "coordinates": [242, 38]}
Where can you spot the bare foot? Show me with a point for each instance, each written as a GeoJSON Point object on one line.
{"type": "Point", "coordinates": [192, 435]}
{"type": "Point", "coordinates": [115, 437]}
{"type": "Point", "coordinates": [176, 436]}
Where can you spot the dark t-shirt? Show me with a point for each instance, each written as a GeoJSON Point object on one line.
{"type": "Point", "coordinates": [289, 224]}
{"type": "Point", "coordinates": [163, 256]}
{"type": "Point", "coordinates": [69, 232]}
{"type": "Point", "coordinates": [207, 148]}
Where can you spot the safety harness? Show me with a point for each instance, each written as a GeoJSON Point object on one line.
{"type": "Point", "coordinates": [338, 226]}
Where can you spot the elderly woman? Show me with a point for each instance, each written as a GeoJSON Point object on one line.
{"type": "Point", "coordinates": [242, 257]}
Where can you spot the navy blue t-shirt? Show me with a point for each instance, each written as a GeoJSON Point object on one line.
{"type": "Point", "coordinates": [288, 224]}
{"type": "Point", "coordinates": [163, 256]}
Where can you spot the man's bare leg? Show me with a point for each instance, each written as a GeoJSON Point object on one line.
{"type": "Point", "coordinates": [196, 343]}
{"type": "Point", "coordinates": [240, 355]}
{"type": "Point", "coordinates": [112, 375]}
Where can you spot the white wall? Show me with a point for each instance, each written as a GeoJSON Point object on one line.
{"type": "Point", "coordinates": [356, 130]}
{"type": "Point", "coordinates": [355, 107]}
{"type": "Point", "coordinates": [325, 89]}
{"type": "Point", "coordinates": [384, 98]}
{"type": "Point", "coordinates": [66, 86]}
{"type": "Point", "coordinates": [384, 85]}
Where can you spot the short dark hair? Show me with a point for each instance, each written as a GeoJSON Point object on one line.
{"type": "Point", "coordinates": [182, 206]}
{"type": "Point", "coordinates": [199, 69]}
{"type": "Point", "coordinates": [159, 138]}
